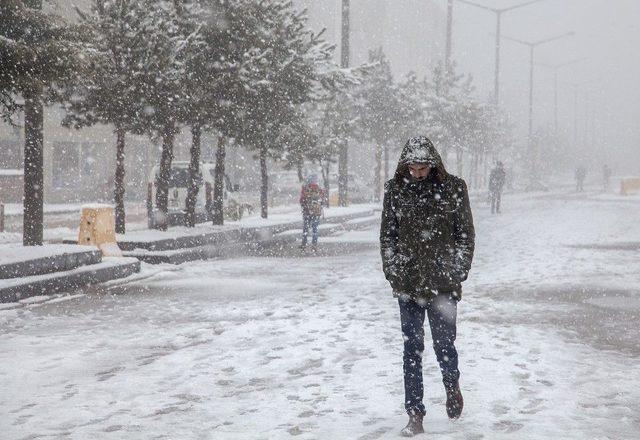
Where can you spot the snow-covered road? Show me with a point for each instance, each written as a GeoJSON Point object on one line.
{"type": "Point", "coordinates": [309, 346]}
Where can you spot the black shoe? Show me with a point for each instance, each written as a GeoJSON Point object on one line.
{"type": "Point", "coordinates": [455, 403]}
{"type": "Point", "coordinates": [414, 427]}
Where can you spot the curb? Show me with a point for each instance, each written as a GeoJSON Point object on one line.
{"type": "Point", "coordinates": [109, 269]}
{"type": "Point", "coordinates": [50, 264]}
{"type": "Point", "coordinates": [262, 237]}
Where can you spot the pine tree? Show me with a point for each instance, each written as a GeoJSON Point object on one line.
{"type": "Point", "coordinates": [215, 90]}
{"type": "Point", "coordinates": [35, 52]}
{"type": "Point", "coordinates": [108, 91]}
{"type": "Point", "coordinates": [164, 92]}
{"type": "Point", "coordinates": [283, 66]}
{"type": "Point", "coordinates": [194, 23]}
{"type": "Point", "coordinates": [382, 112]}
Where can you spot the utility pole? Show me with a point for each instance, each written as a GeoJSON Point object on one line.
{"type": "Point", "coordinates": [447, 51]}
{"type": "Point", "coordinates": [556, 68]}
{"type": "Point", "coordinates": [496, 72]}
{"type": "Point", "coordinates": [32, 219]}
{"type": "Point", "coordinates": [532, 45]}
{"type": "Point", "coordinates": [498, 12]}
{"type": "Point", "coordinates": [531, 50]}
{"type": "Point", "coordinates": [555, 102]}
{"type": "Point", "coordinates": [575, 115]}
{"type": "Point", "coordinates": [587, 98]}
{"type": "Point", "coordinates": [343, 159]}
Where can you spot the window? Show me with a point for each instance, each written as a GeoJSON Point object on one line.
{"type": "Point", "coordinates": [10, 155]}
{"type": "Point", "coordinates": [66, 164]}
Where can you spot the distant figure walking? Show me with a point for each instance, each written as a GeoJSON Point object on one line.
{"type": "Point", "coordinates": [606, 177]}
{"type": "Point", "coordinates": [581, 173]}
{"type": "Point", "coordinates": [311, 198]}
{"type": "Point", "coordinates": [497, 179]}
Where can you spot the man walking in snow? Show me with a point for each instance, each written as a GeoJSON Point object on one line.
{"type": "Point", "coordinates": [427, 243]}
{"type": "Point", "coordinates": [496, 183]}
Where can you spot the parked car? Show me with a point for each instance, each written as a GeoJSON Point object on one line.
{"type": "Point", "coordinates": [236, 203]}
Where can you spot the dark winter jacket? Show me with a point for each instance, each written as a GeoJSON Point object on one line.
{"type": "Point", "coordinates": [427, 235]}
{"type": "Point", "coordinates": [496, 179]}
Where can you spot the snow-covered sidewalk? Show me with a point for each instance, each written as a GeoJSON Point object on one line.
{"type": "Point", "coordinates": [309, 346]}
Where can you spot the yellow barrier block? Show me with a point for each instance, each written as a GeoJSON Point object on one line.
{"type": "Point", "coordinates": [629, 185]}
{"type": "Point", "coordinates": [98, 228]}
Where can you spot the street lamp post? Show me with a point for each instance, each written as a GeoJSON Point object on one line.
{"type": "Point", "coordinates": [343, 159]}
{"type": "Point", "coordinates": [498, 13]}
{"type": "Point", "coordinates": [575, 114]}
{"type": "Point", "coordinates": [556, 68]}
{"type": "Point", "coordinates": [447, 50]}
{"type": "Point", "coordinates": [532, 45]}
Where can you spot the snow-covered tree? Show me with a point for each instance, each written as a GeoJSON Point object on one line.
{"type": "Point", "coordinates": [335, 121]}
{"type": "Point", "coordinates": [109, 90]}
{"type": "Point", "coordinates": [282, 67]}
{"type": "Point", "coordinates": [382, 113]}
{"type": "Point", "coordinates": [326, 122]}
{"type": "Point", "coordinates": [36, 50]}
{"type": "Point", "coordinates": [207, 79]}
{"type": "Point", "coordinates": [164, 92]}
{"type": "Point", "coordinates": [214, 81]}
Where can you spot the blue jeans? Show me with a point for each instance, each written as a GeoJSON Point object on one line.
{"type": "Point", "coordinates": [441, 311]}
{"type": "Point", "coordinates": [310, 222]}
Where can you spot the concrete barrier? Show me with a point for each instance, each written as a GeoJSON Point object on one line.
{"type": "Point", "coordinates": [629, 185]}
{"type": "Point", "coordinates": [98, 228]}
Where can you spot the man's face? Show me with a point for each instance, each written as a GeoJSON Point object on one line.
{"type": "Point", "coordinates": [419, 171]}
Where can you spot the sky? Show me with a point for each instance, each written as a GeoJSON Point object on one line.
{"type": "Point", "coordinates": [607, 35]}
{"type": "Point", "coordinates": [598, 96]}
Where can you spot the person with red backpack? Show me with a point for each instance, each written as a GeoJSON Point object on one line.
{"type": "Point", "coordinates": [311, 198]}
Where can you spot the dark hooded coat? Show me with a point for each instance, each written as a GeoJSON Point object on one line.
{"type": "Point", "coordinates": [427, 235]}
{"type": "Point", "coordinates": [497, 178]}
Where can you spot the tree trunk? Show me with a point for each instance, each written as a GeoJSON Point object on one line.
{"type": "Point", "coordinates": [326, 168]}
{"type": "Point", "coordinates": [33, 164]}
{"type": "Point", "coordinates": [343, 158]}
{"type": "Point", "coordinates": [264, 187]}
{"type": "Point", "coordinates": [218, 183]}
{"type": "Point", "coordinates": [377, 173]}
{"type": "Point", "coordinates": [459, 160]}
{"type": "Point", "coordinates": [162, 185]}
{"type": "Point", "coordinates": [386, 163]}
{"type": "Point", "coordinates": [343, 177]}
{"type": "Point", "coordinates": [485, 174]}
{"type": "Point", "coordinates": [299, 169]}
{"type": "Point", "coordinates": [118, 193]}
{"type": "Point", "coordinates": [476, 168]}
{"type": "Point", "coordinates": [195, 177]}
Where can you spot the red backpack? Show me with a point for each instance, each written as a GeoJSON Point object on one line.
{"type": "Point", "coordinates": [313, 199]}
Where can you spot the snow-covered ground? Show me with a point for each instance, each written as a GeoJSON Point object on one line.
{"type": "Point", "coordinates": [309, 345]}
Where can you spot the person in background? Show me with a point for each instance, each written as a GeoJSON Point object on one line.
{"type": "Point", "coordinates": [496, 184]}
{"type": "Point", "coordinates": [311, 200]}
{"type": "Point", "coordinates": [606, 176]}
{"type": "Point", "coordinates": [581, 173]}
